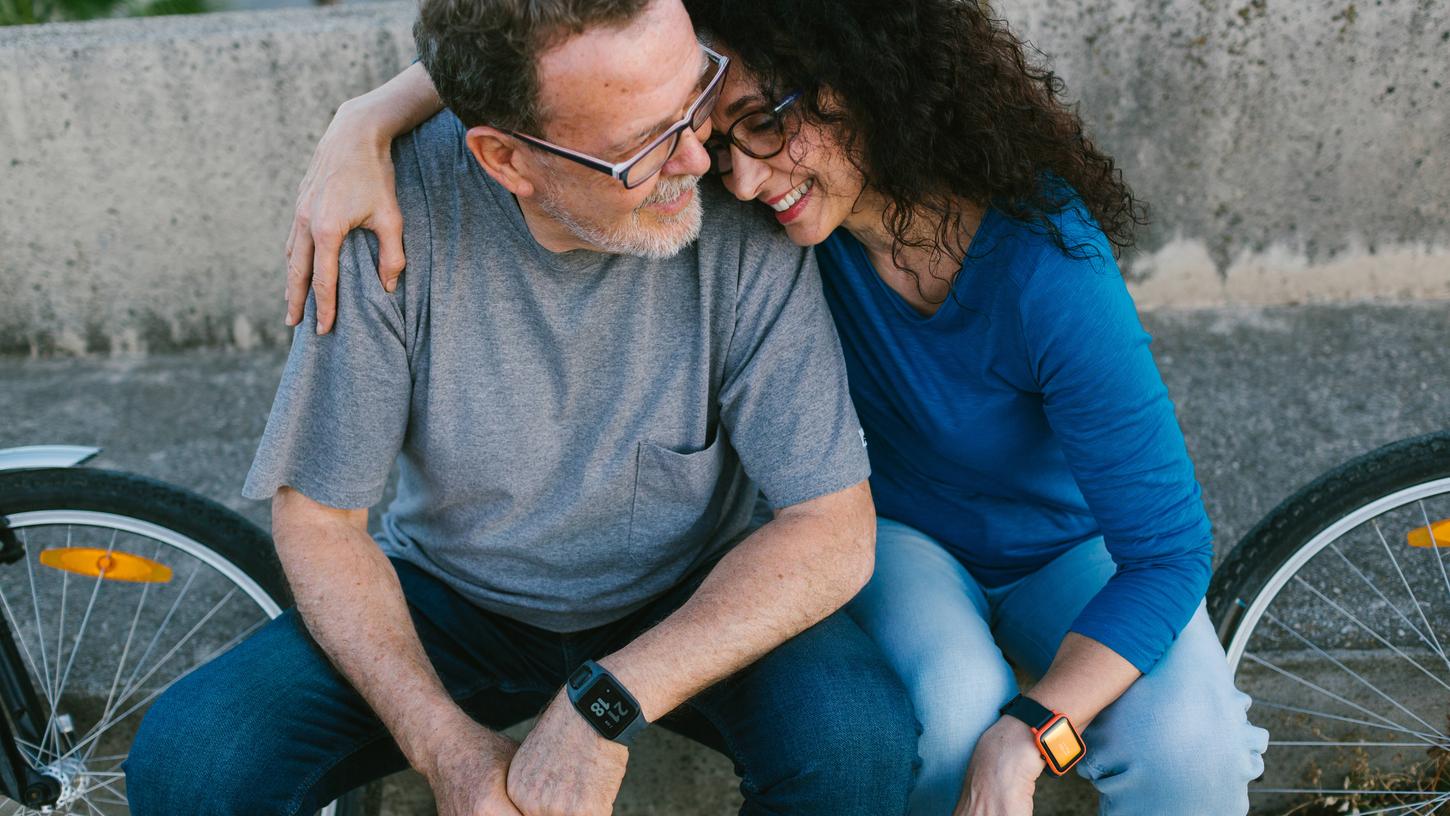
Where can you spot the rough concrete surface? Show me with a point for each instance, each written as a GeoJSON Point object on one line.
{"type": "Point", "coordinates": [1290, 152]}
{"type": "Point", "coordinates": [1268, 398]}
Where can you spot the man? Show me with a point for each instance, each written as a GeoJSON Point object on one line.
{"type": "Point", "coordinates": [582, 398]}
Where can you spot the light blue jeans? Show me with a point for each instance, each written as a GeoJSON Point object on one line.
{"type": "Point", "coordinates": [1178, 742]}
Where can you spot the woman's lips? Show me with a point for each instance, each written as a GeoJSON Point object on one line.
{"type": "Point", "coordinates": [793, 212]}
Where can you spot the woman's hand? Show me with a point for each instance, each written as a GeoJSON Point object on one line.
{"type": "Point", "coordinates": [349, 184]}
{"type": "Point", "coordinates": [1003, 773]}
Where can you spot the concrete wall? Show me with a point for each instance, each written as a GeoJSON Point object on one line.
{"type": "Point", "coordinates": [1292, 151]}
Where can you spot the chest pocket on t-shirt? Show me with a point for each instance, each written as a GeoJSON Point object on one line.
{"type": "Point", "coordinates": [678, 501]}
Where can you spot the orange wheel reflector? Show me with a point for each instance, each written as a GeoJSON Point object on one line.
{"type": "Point", "coordinates": [1420, 536]}
{"type": "Point", "coordinates": [112, 566]}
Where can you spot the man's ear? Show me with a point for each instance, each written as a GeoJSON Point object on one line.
{"type": "Point", "coordinates": [503, 157]}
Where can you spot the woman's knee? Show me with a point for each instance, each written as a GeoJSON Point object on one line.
{"type": "Point", "coordinates": [957, 697]}
{"type": "Point", "coordinates": [1179, 738]}
{"type": "Point", "coordinates": [1192, 767]}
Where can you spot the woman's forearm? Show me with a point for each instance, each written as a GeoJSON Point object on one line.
{"type": "Point", "coordinates": [1085, 677]}
{"type": "Point", "coordinates": [397, 106]}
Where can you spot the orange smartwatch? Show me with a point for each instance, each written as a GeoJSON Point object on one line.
{"type": "Point", "coordinates": [1057, 739]}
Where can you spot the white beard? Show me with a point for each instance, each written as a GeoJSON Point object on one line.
{"type": "Point", "coordinates": [673, 234]}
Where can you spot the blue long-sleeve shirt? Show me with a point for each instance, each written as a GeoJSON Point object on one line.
{"type": "Point", "coordinates": [1027, 416]}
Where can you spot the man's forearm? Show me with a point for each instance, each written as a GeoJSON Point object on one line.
{"type": "Point", "coordinates": [789, 575]}
{"type": "Point", "coordinates": [352, 603]}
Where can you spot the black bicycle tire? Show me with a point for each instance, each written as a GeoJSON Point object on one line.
{"type": "Point", "coordinates": [207, 522]}
{"type": "Point", "coordinates": [1312, 509]}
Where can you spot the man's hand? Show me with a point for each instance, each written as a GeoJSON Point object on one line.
{"type": "Point", "coordinates": [564, 768]}
{"type": "Point", "coordinates": [1003, 773]}
{"type": "Point", "coordinates": [469, 771]}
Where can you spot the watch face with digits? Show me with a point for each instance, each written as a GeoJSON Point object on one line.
{"type": "Point", "coordinates": [607, 707]}
{"type": "Point", "coordinates": [1061, 745]}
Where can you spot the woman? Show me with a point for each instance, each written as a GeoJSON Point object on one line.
{"type": "Point", "coordinates": [1036, 500]}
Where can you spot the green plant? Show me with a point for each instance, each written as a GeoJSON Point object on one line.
{"type": "Point", "coordinates": [22, 12]}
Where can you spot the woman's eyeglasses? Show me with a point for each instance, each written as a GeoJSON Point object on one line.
{"type": "Point", "coordinates": [643, 165]}
{"type": "Point", "coordinates": [759, 134]}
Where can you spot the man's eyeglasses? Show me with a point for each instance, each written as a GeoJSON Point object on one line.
{"type": "Point", "coordinates": [643, 165]}
{"type": "Point", "coordinates": [759, 134]}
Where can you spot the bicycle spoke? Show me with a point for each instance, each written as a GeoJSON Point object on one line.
{"type": "Point", "coordinates": [39, 629]}
{"type": "Point", "coordinates": [1413, 600]}
{"type": "Point", "coordinates": [1406, 807]}
{"type": "Point", "coordinates": [1429, 739]}
{"type": "Point", "coordinates": [1347, 670]}
{"type": "Point", "coordinates": [1349, 744]}
{"type": "Point", "coordinates": [75, 646]}
{"type": "Point", "coordinates": [1326, 692]}
{"type": "Point", "coordinates": [1347, 792]}
{"type": "Point", "coordinates": [96, 734]}
{"type": "Point", "coordinates": [165, 622]}
{"type": "Point", "coordinates": [175, 648]}
{"type": "Point", "coordinates": [1400, 808]}
{"type": "Point", "coordinates": [53, 729]}
{"type": "Point", "coordinates": [1372, 633]}
{"type": "Point", "coordinates": [14, 624]}
{"type": "Point", "coordinates": [108, 784]}
{"type": "Point", "coordinates": [1375, 588]}
{"type": "Point", "coordinates": [1435, 545]}
{"type": "Point", "coordinates": [130, 636]}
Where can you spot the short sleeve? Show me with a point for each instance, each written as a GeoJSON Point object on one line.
{"type": "Point", "coordinates": [341, 409]}
{"type": "Point", "coordinates": [1110, 411]}
{"type": "Point", "coordinates": [784, 399]}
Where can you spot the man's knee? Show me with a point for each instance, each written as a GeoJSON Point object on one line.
{"type": "Point", "coordinates": [171, 767]}
{"type": "Point", "coordinates": [214, 741]}
{"type": "Point", "coordinates": [852, 744]}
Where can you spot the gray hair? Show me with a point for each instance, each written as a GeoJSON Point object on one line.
{"type": "Point", "coordinates": [483, 54]}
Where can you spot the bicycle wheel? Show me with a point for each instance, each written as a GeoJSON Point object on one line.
{"type": "Point", "coordinates": [1335, 614]}
{"type": "Point", "coordinates": [184, 580]}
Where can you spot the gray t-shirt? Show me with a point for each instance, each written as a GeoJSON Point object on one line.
{"type": "Point", "coordinates": [574, 430]}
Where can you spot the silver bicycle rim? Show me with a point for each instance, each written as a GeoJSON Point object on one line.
{"type": "Point", "coordinates": [124, 702]}
{"type": "Point", "coordinates": [1358, 690]}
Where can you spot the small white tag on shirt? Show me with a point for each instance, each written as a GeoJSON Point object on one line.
{"type": "Point", "coordinates": [862, 431]}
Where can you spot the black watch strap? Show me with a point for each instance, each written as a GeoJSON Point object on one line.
{"type": "Point", "coordinates": [1028, 710]}
{"type": "Point", "coordinates": [605, 703]}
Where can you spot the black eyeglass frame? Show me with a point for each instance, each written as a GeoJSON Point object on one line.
{"type": "Point", "coordinates": [620, 170]}
{"type": "Point", "coordinates": [723, 141]}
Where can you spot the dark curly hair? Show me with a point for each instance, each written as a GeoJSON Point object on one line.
{"type": "Point", "coordinates": [935, 102]}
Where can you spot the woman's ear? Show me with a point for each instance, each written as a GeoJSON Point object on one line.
{"type": "Point", "coordinates": [503, 157]}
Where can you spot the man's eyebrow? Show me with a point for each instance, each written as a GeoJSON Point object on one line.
{"type": "Point", "coordinates": [637, 140]}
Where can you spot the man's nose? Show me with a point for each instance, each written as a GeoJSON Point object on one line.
{"type": "Point", "coordinates": [691, 158]}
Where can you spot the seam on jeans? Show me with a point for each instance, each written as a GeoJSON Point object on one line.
{"type": "Point", "coordinates": [294, 804]}
{"type": "Point", "coordinates": [1097, 770]}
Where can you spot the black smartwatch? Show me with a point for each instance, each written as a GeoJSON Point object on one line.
{"type": "Point", "coordinates": [605, 704]}
{"type": "Point", "coordinates": [1056, 737]}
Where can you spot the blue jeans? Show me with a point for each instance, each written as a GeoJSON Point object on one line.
{"type": "Point", "coordinates": [271, 729]}
{"type": "Point", "coordinates": [1177, 742]}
